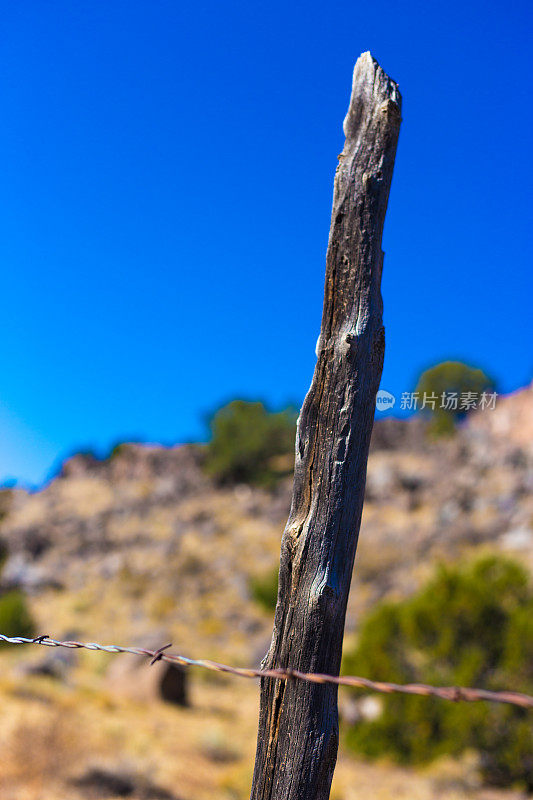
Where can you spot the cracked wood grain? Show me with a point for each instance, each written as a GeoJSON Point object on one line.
{"type": "Point", "coordinates": [298, 722]}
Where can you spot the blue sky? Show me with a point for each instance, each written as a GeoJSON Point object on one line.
{"type": "Point", "coordinates": [167, 181]}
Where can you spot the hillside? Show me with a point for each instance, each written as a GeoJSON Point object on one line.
{"type": "Point", "coordinates": [143, 548]}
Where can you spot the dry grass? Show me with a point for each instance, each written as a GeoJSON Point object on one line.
{"type": "Point", "coordinates": [180, 569]}
{"type": "Point", "coordinates": [53, 733]}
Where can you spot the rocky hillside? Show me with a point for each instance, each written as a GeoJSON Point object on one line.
{"type": "Point", "coordinates": [145, 540]}
{"type": "Point", "coordinates": [143, 548]}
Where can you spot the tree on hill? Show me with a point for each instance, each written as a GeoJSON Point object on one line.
{"type": "Point", "coordinates": [248, 443]}
{"type": "Point", "coordinates": [448, 391]}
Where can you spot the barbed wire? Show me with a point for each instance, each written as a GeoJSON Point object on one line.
{"type": "Point", "coordinates": [453, 693]}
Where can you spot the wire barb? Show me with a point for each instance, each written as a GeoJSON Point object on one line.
{"type": "Point", "coordinates": [453, 693]}
{"type": "Point", "coordinates": [158, 655]}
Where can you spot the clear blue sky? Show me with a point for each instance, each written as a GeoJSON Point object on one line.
{"type": "Point", "coordinates": [167, 176]}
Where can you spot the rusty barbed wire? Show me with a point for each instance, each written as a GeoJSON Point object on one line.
{"type": "Point", "coordinates": [453, 693]}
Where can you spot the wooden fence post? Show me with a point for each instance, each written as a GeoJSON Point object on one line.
{"type": "Point", "coordinates": [298, 723]}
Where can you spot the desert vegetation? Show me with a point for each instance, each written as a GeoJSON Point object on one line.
{"type": "Point", "coordinates": [147, 548]}
{"type": "Point", "coordinates": [457, 381]}
{"type": "Point", "coordinates": [470, 625]}
{"type": "Point", "coordinates": [250, 444]}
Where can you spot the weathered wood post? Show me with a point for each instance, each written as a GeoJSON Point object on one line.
{"type": "Point", "coordinates": [298, 723]}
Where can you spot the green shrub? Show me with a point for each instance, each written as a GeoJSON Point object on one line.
{"type": "Point", "coordinates": [246, 439]}
{"type": "Point", "coordinates": [470, 626]}
{"type": "Point", "coordinates": [264, 589]}
{"type": "Point", "coordinates": [450, 376]}
{"type": "Point", "coordinates": [15, 617]}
